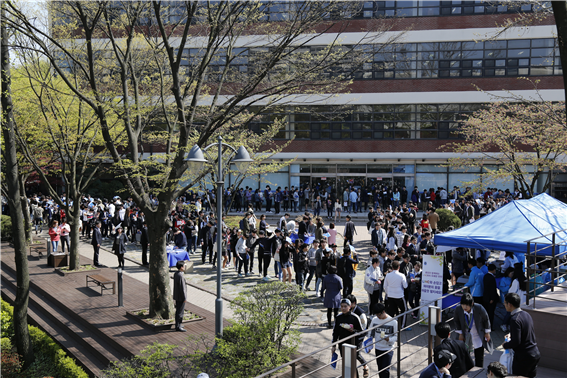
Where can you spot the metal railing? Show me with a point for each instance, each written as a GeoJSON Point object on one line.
{"type": "Point", "coordinates": [351, 350]}
{"type": "Point", "coordinates": [534, 272]}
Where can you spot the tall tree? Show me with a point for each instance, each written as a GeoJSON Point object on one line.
{"type": "Point", "coordinates": [11, 190]}
{"type": "Point", "coordinates": [185, 72]}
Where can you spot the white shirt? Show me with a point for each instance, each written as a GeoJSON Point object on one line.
{"type": "Point", "coordinates": [476, 338]}
{"type": "Point", "coordinates": [394, 284]}
{"type": "Point", "coordinates": [390, 328]}
{"type": "Point", "coordinates": [515, 288]}
{"type": "Point", "coordinates": [111, 209]}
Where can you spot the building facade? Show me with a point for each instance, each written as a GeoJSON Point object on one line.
{"type": "Point", "coordinates": [407, 103]}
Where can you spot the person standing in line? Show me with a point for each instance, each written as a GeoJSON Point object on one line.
{"type": "Point", "coordinates": [372, 283]}
{"type": "Point", "coordinates": [179, 295]}
{"type": "Point", "coordinates": [394, 285]}
{"type": "Point", "coordinates": [464, 362]}
{"type": "Point", "coordinates": [490, 294]}
{"type": "Point", "coordinates": [475, 282]}
{"type": "Point", "coordinates": [522, 338]}
{"type": "Point", "coordinates": [385, 334]}
{"type": "Point", "coordinates": [346, 325]}
{"type": "Point", "coordinates": [350, 259]}
{"type": "Point", "coordinates": [473, 326]}
{"type": "Point", "coordinates": [331, 291]}
{"type": "Point", "coordinates": [349, 232]}
{"type": "Point", "coordinates": [119, 246]}
{"type": "Point", "coordinates": [442, 362]}
{"type": "Point", "coordinates": [96, 241]}
{"type": "Point", "coordinates": [145, 242]}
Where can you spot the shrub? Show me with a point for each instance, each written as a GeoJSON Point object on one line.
{"type": "Point", "coordinates": [11, 364]}
{"type": "Point", "coordinates": [6, 227]}
{"type": "Point", "coordinates": [5, 344]}
{"type": "Point", "coordinates": [264, 336]}
{"type": "Point", "coordinates": [7, 326]}
{"type": "Point", "coordinates": [46, 348]}
{"type": "Point", "coordinates": [447, 218]}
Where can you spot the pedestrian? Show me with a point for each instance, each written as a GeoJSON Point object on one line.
{"type": "Point", "coordinates": [473, 326]}
{"type": "Point", "coordinates": [301, 264]}
{"type": "Point", "coordinates": [349, 232]}
{"type": "Point", "coordinates": [385, 334]}
{"type": "Point", "coordinates": [331, 291]}
{"type": "Point", "coordinates": [119, 246]}
{"type": "Point", "coordinates": [286, 256]}
{"type": "Point", "coordinates": [338, 208]}
{"type": "Point", "coordinates": [145, 242]}
{"type": "Point", "coordinates": [312, 264]}
{"type": "Point", "coordinates": [490, 295]}
{"type": "Point", "coordinates": [475, 282]}
{"type": "Point", "coordinates": [54, 235]}
{"type": "Point", "coordinates": [518, 285]}
{"type": "Point", "coordinates": [350, 260]}
{"type": "Point", "coordinates": [522, 338]}
{"type": "Point", "coordinates": [442, 362]}
{"type": "Point", "coordinates": [64, 237]}
{"type": "Point", "coordinates": [372, 283]}
{"type": "Point", "coordinates": [241, 255]}
{"type": "Point", "coordinates": [414, 288]}
{"type": "Point", "coordinates": [179, 295]}
{"type": "Point", "coordinates": [346, 325]}
{"type": "Point", "coordinates": [96, 242]}
{"type": "Point", "coordinates": [394, 285]}
{"type": "Point", "coordinates": [463, 362]}
{"type": "Point", "coordinates": [496, 370]}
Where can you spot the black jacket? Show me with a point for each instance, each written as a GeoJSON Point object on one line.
{"type": "Point", "coordinates": [463, 363]}
{"type": "Point", "coordinates": [340, 331]}
{"type": "Point", "coordinates": [490, 293]}
{"type": "Point", "coordinates": [97, 237]}
{"type": "Point", "coordinates": [144, 239]}
{"type": "Point", "coordinates": [302, 229]}
{"type": "Point", "coordinates": [522, 336]}
{"type": "Point", "coordinates": [119, 246]}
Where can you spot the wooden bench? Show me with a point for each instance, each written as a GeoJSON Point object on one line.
{"type": "Point", "coordinates": [102, 282]}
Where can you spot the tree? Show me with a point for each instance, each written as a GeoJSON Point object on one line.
{"type": "Point", "coordinates": [12, 193]}
{"type": "Point", "coordinates": [528, 141]}
{"type": "Point", "coordinates": [185, 73]}
{"type": "Point", "coordinates": [67, 129]}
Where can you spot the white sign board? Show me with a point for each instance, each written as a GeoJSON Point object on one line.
{"type": "Point", "coordinates": [431, 283]}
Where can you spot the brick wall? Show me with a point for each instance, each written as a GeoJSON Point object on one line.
{"type": "Point", "coordinates": [454, 84]}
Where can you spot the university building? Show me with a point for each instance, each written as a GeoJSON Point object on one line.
{"type": "Point", "coordinates": [406, 104]}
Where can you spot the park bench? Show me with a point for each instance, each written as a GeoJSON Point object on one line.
{"type": "Point", "coordinates": [101, 281]}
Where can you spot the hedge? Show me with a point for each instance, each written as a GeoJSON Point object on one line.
{"type": "Point", "coordinates": [6, 227]}
{"type": "Point", "coordinates": [45, 348]}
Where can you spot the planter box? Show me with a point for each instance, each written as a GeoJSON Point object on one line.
{"type": "Point", "coordinates": [58, 260]}
{"type": "Point", "coordinates": [160, 327]}
{"type": "Point", "coordinates": [64, 272]}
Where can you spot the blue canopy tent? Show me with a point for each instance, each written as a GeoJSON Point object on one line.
{"type": "Point", "coordinates": [508, 228]}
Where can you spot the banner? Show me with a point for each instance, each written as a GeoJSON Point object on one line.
{"type": "Point", "coordinates": [431, 283]}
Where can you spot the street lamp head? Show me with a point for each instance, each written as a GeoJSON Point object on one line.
{"type": "Point", "coordinates": [242, 160]}
{"type": "Point", "coordinates": [195, 159]}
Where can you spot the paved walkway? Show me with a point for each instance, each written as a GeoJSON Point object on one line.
{"type": "Point", "coordinates": [202, 288]}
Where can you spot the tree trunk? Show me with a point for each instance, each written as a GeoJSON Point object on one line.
{"type": "Point", "coordinates": [11, 171]}
{"type": "Point", "coordinates": [161, 300]}
{"type": "Point", "coordinates": [26, 212]}
{"type": "Point", "coordinates": [560, 14]}
{"type": "Point", "coordinates": [74, 256]}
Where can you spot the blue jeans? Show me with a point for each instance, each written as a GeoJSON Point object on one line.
{"type": "Point", "coordinates": [192, 243]}
{"type": "Point", "coordinates": [278, 270]}
{"type": "Point", "coordinates": [54, 245]}
{"type": "Point", "coordinates": [383, 359]}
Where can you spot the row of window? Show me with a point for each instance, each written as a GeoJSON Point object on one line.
{"type": "Point", "coordinates": [525, 57]}
{"type": "Point", "coordinates": [405, 121]}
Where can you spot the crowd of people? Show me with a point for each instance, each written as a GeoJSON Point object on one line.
{"type": "Point", "coordinates": [304, 250]}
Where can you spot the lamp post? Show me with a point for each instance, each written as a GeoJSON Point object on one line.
{"type": "Point", "coordinates": [196, 160]}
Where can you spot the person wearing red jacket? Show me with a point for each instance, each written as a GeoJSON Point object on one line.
{"type": "Point", "coordinates": [54, 234]}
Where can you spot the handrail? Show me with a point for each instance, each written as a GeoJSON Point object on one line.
{"type": "Point", "coordinates": [543, 236]}
{"type": "Point", "coordinates": [354, 335]}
